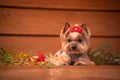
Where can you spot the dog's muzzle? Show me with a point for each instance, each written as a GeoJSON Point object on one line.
{"type": "Point", "coordinates": [73, 46]}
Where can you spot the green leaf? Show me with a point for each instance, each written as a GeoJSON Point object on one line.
{"type": "Point", "coordinates": [40, 65]}
{"type": "Point", "coordinates": [2, 52]}
{"type": "Point", "coordinates": [49, 65]}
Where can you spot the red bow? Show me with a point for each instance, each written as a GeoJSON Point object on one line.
{"type": "Point", "coordinates": [76, 29]}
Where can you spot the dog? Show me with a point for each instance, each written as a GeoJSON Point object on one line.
{"type": "Point", "coordinates": [74, 46]}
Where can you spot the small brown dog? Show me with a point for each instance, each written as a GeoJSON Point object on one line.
{"type": "Point", "coordinates": [75, 44]}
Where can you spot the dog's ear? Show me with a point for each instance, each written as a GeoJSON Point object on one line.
{"type": "Point", "coordinates": [65, 28]}
{"type": "Point", "coordinates": [86, 29]}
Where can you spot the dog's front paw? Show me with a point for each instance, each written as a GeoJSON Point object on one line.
{"type": "Point", "coordinates": [61, 59]}
{"type": "Point", "coordinates": [84, 62]}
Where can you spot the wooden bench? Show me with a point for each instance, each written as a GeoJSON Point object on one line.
{"type": "Point", "coordinates": [60, 73]}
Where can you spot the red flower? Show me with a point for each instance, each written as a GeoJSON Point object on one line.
{"type": "Point", "coordinates": [40, 58]}
{"type": "Point", "coordinates": [29, 60]}
{"type": "Point", "coordinates": [76, 29]}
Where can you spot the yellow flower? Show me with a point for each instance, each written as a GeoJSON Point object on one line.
{"type": "Point", "coordinates": [42, 62]}
{"type": "Point", "coordinates": [25, 55]}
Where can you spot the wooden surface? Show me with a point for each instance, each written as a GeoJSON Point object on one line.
{"type": "Point", "coordinates": [47, 44]}
{"type": "Point", "coordinates": [46, 22]}
{"type": "Point", "coordinates": [34, 25]}
{"type": "Point", "coordinates": [60, 73]}
{"type": "Point", "coordinates": [66, 4]}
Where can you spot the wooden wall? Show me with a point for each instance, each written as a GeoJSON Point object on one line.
{"type": "Point", "coordinates": [34, 25]}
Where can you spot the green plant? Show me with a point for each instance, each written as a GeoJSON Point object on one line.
{"type": "Point", "coordinates": [9, 58]}
{"type": "Point", "coordinates": [103, 55]}
{"type": "Point", "coordinates": [6, 57]}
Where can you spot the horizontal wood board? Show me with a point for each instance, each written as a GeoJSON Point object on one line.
{"type": "Point", "coordinates": [64, 5]}
{"type": "Point", "coordinates": [34, 25]}
{"type": "Point", "coordinates": [47, 45]}
{"type": "Point", "coordinates": [48, 22]}
{"type": "Point", "coordinates": [60, 73]}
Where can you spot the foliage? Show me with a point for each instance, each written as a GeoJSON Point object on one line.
{"type": "Point", "coordinates": [9, 58]}
{"type": "Point", "coordinates": [103, 55]}
{"type": "Point", "coordinates": [6, 58]}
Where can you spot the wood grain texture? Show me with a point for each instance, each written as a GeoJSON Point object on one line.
{"type": "Point", "coordinates": [60, 73]}
{"type": "Point", "coordinates": [48, 22]}
{"type": "Point", "coordinates": [66, 4]}
{"type": "Point", "coordinates": [114, 42]}
{"type": "Point", "coordinates": [47, 44]}
{"type": "Point", "coordinates": [31, 44]}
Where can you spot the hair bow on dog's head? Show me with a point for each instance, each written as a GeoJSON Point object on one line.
{"type": "Point", "coordinates": [76, 28]}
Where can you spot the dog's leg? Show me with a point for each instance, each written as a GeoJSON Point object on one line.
{"type": "Point", "coordinates": [84, 61]}
{"type": "Point", "coordinates": [60, 58]}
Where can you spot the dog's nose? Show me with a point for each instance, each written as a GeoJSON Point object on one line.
{"type": "Point", "coordinates": [73, 47]}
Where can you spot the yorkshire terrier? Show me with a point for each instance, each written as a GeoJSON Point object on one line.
{"type": "Point", "coordinates": [75, 44]}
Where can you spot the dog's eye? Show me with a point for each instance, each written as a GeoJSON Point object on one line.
{"type": "Point", "coordinates": [68, 40]}
{"type": "Point", "coordinates": [79, 40]}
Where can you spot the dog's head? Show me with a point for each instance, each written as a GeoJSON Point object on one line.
{"type": "Point", "coordinates": [75, 38]}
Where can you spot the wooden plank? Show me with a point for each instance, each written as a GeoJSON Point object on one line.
{"type": "Point", "coordinates": [60, 73]}
{"type": "Point", "coordinates": [31, 44]}
{"type": "Point", "coordinates": [47, 44]}
{"type": "Point", "coordinates": [48, 22]}
{"type": "Point", "coordinates": [67, 4]}
{"type": "Point", "coordinates": [114, 43]}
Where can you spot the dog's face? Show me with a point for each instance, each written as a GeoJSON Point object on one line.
{"type": "Point", "coordinates": [75, 39]}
